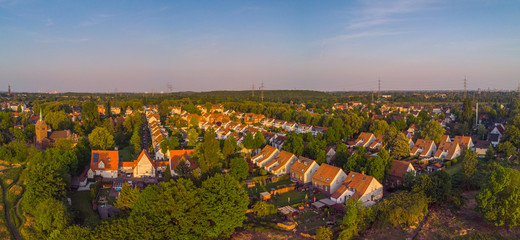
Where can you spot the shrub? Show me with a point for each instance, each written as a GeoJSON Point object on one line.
{"type": "Point", "coordinates": [447, 164]}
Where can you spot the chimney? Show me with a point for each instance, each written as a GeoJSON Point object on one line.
{"type": "Point", "coordinates": [363, 172]}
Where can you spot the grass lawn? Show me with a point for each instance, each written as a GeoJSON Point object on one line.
{"type": "Point", "coordinates": [81, 202]}
{"type": "Point", "coordinates": [294, 197]}
{"type": "Point", "coordinates": [126, 154]}
{"type": "Point", "coordinates": [10, 174]}
{"type": "Point", "coordinates": [266, 188]}
{"type": "Point", "coordinates": [454, 169]}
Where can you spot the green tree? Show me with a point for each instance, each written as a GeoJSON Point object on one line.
{"type": "Point", "coordinates": [229, 148]}
{"type": "Point", "coordinates": [293, 144]}
{"type": "Point", "coordinates": [89, 115]}
{"type": "Point", "coordinates": [194, 122]}
{"type": "Point", "coordinates": [239, 168]}
{"type": "Point", "coordinates": [225, 203]}
{"type": "Point", "coordinates": [50, 217]}
{"type": "Point", "coordinates": [499, 198]}
{"type": "Point", "coordinates": [208, 152]}
{"type": "Point", "coordinates": [400, 148]}
{"type": "Point", "coordinates": [376, 168]}
{"type": "Point", "coordinates": [506, 149]}
{"type": "Point", "coordinates": [324, 233]}
{"type": "Point", "coordinates": [108, 109]}
{"type": "Point", "coordinates": [127, 197]}
{"type": "Point", "coordinates": [262, 209]}
{"type": "Point", "coordinates": [101, 139]}
{"type": "Point", "coordinates": [182, 169]}
{"type": "Point", "coordinates": [73, 232]}
{"type": "Point", "coordinates": [193, 136]}
{"type": "Point", "coordinates": [58, 120]}
{"type": "Point", "coordinates": [403, 208]}
{"type": "Point", "coordinates": [259, 140]}
{"type": "Point", "coordinates": [387, 160]}
{"type": "Point", "coordinates": [135, 141]}
{"type": "Point", "coordinates": [164, 146]}
{"type": "Point", "coordinates": [249, 141]}
{"type": "Point", "coordinates": [167, 175]}
{"type": "Point", "coordinates": [433, 131]}
{"type": "Point", "coordinates": [467, 111]}
{"type": "Point", "coordinates": [379, 127]}
{"type": "Point", "coordinates": [490, 154]}
{"type": "Point", "coordinates": [482, 131]}
{"type": "Point", "coordinates": [469, 165]}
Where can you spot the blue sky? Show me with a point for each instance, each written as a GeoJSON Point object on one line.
{"type": "Point", "coordinates": [100, 46]}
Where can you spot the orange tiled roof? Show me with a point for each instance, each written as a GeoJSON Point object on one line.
{"type": "Point", "coordinates": [109, 158]}
{"type": "Point", "coordinates": [266, 152]}
{"type": "Point", "coordinates": [326, 174]}
{"type": "Point", "coordinates": [302, 165]}
{"type": "Point", "coordinates": [399, 168]}
{"type": "Point", "coordinates": [283, 158]}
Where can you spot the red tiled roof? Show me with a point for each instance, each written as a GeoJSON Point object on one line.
{"type": "Point", "coordinates": [109, 158]}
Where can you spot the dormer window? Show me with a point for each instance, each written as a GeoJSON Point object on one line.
{"type": "Point", "coordinates": [108, 159]}
{"type": "Point", "coordinates": [328, 179]}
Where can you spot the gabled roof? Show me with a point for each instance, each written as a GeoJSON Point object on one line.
{"type": "Point", "coordinates": [283, 158]}
{"type": "Point", "coordinates": [326, 173]}
{"type": "Point", "coordinates": [144, 157]}
{"type": "Point", "coordinates": [463, 141]}
{"type": "Point", "coordinates": [110, 159]}
{"type": "Point", "coordinates": [265, 154]}
{"type": "Point", "coordinates": [357, 182]}
{"type": "Point", "coordinates": [302, 165]}
{"type": "Point", "coordinates": [482, 144]}
{"type": "Point", "coordinates": [177, 155]}
{"type": "Point", "coordinates": [445, 138]}
{"type": "Point", "coordinates": [365, 137]}
{"type": "Point", "coordinates": [426, 145]}
{"type": "Point", "coordinates": [399, 168]}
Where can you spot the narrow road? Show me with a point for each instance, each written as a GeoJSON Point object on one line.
{"type": "Point", "coordinates": [12, 228]}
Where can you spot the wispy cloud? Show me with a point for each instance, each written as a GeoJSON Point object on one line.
{"type": "Point", "coordinates": [350, 36]}
{"type": "Point", "coordinates": [95, 20]}
{"type": "Point", "coordinates": [375, 13]}
{"type": "Point", "coordinates": [61, 40]}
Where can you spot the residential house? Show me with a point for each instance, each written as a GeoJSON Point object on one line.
{"type": "Point", "coordinates": [281, 164]}
{"type": "Point", "coordinates": [360, 186]}
{"type": "Point", "coordinates": [377, 144]}
{"type": "Point", "coordinates": [448, 150]}
{"type": "Point", "coordinates": [424, 148]}
{"type": "Point", "coordinates": [290, 126]}
{"type": "Point", "coordinates": [265, 156]}
{"type": "Point", "coordinates": [365, 139]}
{"type": "Point", "coordinates": [176, 156]}
{"type": "Point", "coordinates": [481, 147]}
{"type": "Point", "coordinates": [278, 141]}
{"type": "Point", "coordinates": [328, 179]}
{"type": "Point", "coordinates": [303, 169]}
{"type": "Point", "coordinates": [465, 142]}
{"type": "Point", "coordinates": [303, 128]}
{"type": "Point", "coordinates": [396, 174]}
{"type": "Point", "coordinates": [330, 154]}
{"type": "Point", "coordinates": [318, 130]}
{"type": "Point", "coordinates": [104, 163]}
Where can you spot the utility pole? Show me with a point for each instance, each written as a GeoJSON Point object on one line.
{"type": "Point", "coordinates": [262, 91]}
{"type": "Point", "coordinates": [9, 89]}
{"type": "Point", "coordinates": [253, 91]}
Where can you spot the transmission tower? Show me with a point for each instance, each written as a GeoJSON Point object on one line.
{"type": "Point", "coordinates": [378, 88]}
{"type": "Point", "coordinates": [262, 91]}
{"type": "Point", "coordinates": [465, 81]}
{"type": "Point", "coordinates": [253, 91]}
{"type": "Point", "coordinates": [170, 87]}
